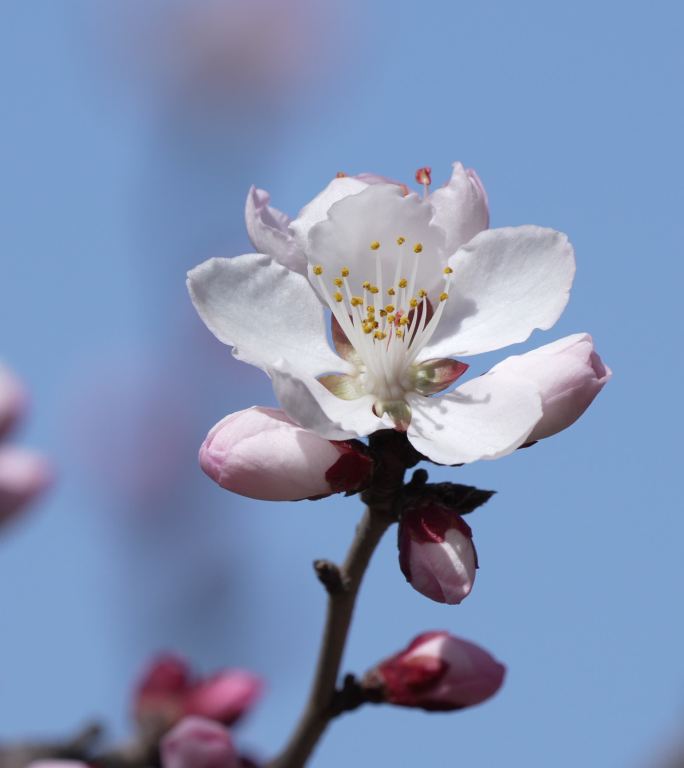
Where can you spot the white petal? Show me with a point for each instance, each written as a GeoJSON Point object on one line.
{"type": "Point", "coordinates": [461, 208]}
{"type": "Point", "coordinates": [506, 282]}
{"type": "Point", "coordinates": [266, 312]}
{"type": "Point", "coordinates": [318, 208]}
{"type": "Point", "coordinates": [312, 406]}
{"type": "Point", "coordinates": [484, 418]}
{"type": "Point", "coordinates": [268, 230]}
{"type": "Point", "coordinates": [379, 215]}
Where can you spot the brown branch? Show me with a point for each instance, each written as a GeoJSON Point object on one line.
{"type": "Point", "coordinates": [393, 455]}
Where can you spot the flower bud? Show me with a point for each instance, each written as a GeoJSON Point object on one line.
{"type": "Point", "coordinates": [159, 700]}
{"type": "Point", "coordinates": [437, 672]}
{"type": "Point", "coordinates": [262, 454]}
{"type": "Point", "coordinates": [198, 743]}
{"type": "Point", "coordinates": [225, 697]}
{"type": "Point", "coordinates": [436, 552]}
{"type": "Point", "coordinates": [569, 375]}
{"type": "Point", "coordinates": [23, 476]}
{"type": "Point", "coordinates": [12, 400]}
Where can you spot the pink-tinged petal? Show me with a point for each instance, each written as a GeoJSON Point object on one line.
{"type": "Point", "coordinates": [268, 229]}
{"type": "Point", "coordinates": [265, 311]}
{"type": "Point", "coordinates": [437, 672]}
{"type": "Point", "coordinates": [374, 178]}
{"type": "Point", "coordinates": [436, 552]}
{"type": "Point", "coordinates": [12, 400]}
{"type": "Point", "coordinates": [23, 477]}
{"type": "Point", "coordinates": [461, 208]}
{"type": "Point", "coordinates": [568, 374]}
{"type": "Point", "coordinates": [315, 408]}
{"type": "Point", "coordinates": [261, 453]}
{"type": "Point", "coordinates": [224, 697]}
{"type": "Point", "coordinates": [317, 209]}
{"type": "Point", "coordinates": [506, 283]}
{"type": "Point", "coordinates": [197, 742]}
{"type": "Point", "coordinates": [485, 418]}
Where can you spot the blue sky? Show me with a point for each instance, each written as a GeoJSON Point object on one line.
{"type": "Point", "coordinates": [111, 189]}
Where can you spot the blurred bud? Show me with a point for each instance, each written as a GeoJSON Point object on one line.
{"type": "Point", "coordinates": [198, 743]}
{"type": "Point", "coordinates": [262, 454]}
{"type": "Point", "coordinates": [57, 764]}
{"type": "Point", "coordinates": [569, 375]}
{"type": "Point", "coordinates": [23, 476]}
{"type": "Point", "coordinates": [436, 552]}
{"type": "Point", "coordinates": [12, 400]}
{"type": "Point", "coordinates": [225, 697]}
{"type": "Point", "coordinates": [159, 700]}
{"type": "Point", "coordinates": [424, 176]}
{"type": "Point", "coordinates": [437, 672]}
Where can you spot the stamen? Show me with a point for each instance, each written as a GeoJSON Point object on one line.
{"type": "Point", "coordinates": [318, 269]}
{"type": "Point", "coordinates": [339, 282]}
{"type": "Point", "coordinates": [443, 296]}
{"type": "Point", "coordinates": [337, 296]}
{"type": "Point", "coordinates": [403, 282]}
{"type": "Point", "coordinates": [344, 271]}
{"type": "Point", "coordinates": [418, 248]}
{"type": "Point", "coordinates": [379, 335]}
{"type": "Point", "coordinates": [389, 308]}
{"type": "Point", "coordinates": [356, 301]}
{"type": "Point", "coordinates": [448, 270]}
{"type": "Point", "coordinates": [374, 245]}
{"type": "Point", "coordinates": [340, 175]}
{"type": "Point", "coordinates": [366, 285]}
{"type": "Point", "coordinates": [413, 303]}
{"type": "Point", "coordinates": [391, 292]}
{"type": "Point", "coordinates": [401, 240]}
{"type": "Point", "coordinates": [422, 293]}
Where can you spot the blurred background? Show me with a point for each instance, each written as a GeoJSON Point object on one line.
{"type": "Point", "coordinates": [130, 134]}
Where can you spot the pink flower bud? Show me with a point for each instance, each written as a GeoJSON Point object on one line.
{"type": "Point", "coordinates": [225, 697]}
{"type": "Point", "coordinates": [159, 700]}
{"type": "Point", "coordinates": [262, 454]}
{"type": "Point", "coordinates": [437, 672]}
{"type": "Point", "coordinates": [569, 375]}
{"type": "Point", "coordinates": [12, 400]}
{"type": "Point", "coordinates": [23, 476]}
{"type": "Point", "coordinates": [198, 743]}
{"type": "Point", "coordinates": [436, 552]}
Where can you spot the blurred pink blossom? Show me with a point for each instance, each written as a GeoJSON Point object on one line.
{"type": "Point", "coordinates": [23, 474]}
{"type": "Point", "coordinates": [198, 743]}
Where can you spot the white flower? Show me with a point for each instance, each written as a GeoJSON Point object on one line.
{"type": "Point", "coordinates": [411, 284]}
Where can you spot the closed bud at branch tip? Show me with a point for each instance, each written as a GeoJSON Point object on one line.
{"type": "Point", "coordinates": [262, 454]}
{"type": "Point", "coordinates": [436, 672]}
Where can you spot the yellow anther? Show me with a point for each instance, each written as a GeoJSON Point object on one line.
{"type": "Point", "coordinates": [374, 289]}
{"type": "Point", "coordinates": [401, 240]}
{"type": "Point", "coordinates": [374, 245]}
{"type": "Point", "coordinates": [383, 313]}
{"type": "Point", "coordinates": [403, 282]}
{"type": "Point", "coordinates": [399, 333]}
{"type": "Point", "coordinates": [370, 309]}
{"type": "Point", "coordinates": [344, 271]}
{"type": "Point", "coordinates": [356, 301]}
{"type": "Point", "coordinates": [422, 293]}
{"type": "Point", "coordinates": [390, 319]}
{"type": "Point", "coordinates": [368, 328]}
{"type": "Point", "coordinates": [443, 296]}
{"type": "Point", "coordinates": [340, 175]}
{"type": "Point", "coordinates": [391, 292]}
{"type": "Point", "coordinates": [318, 270]}
{"type": "Point", "coordinates": [417, 248]}
{"type": "Point", "coordinates": [337, 296]}
{"type": "Point", "coordinates": [389, 308]}
{"type": "Point", "coordinates": [448, 270]}
{"type": "Point", "coordinates": [366, 285]}
{"type": "Point", "coordinates": [404, 320]}
{"type": "Point", "coordinates": [339, 282]}
{"type": "Point", "coordinates": [413, 303]}
{"type": "Point", "coordinates": [379, 335]}
{"type": "Point", "coordinates": [375, 324]}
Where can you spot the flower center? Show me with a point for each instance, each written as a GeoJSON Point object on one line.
{"type": "Point", "coordinates": [387, 320]}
